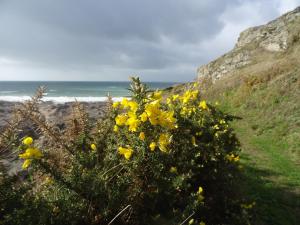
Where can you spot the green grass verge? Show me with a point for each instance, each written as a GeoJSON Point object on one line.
{"type": "Point", "coordinates": [269, 132]}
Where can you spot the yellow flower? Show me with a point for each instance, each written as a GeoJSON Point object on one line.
{"type": "Point", "coordinates": [163, 141]}
{"type": "Point", "coordinates": [132, 122]}
{"type": "Point", "coordinates": [232, 158]}
{"type": "Point", "coordinates": [157, 95]}
{"type": "Point", "coordinates": [216, 127]}
{"type": "Point", "coordinates": [199, 133]}
{"type": "Point", "coordinates": [142, 136]}
{"type": "Point", "coordinates": [191, 221]}
{"type": "Point", "coordinates": [200, 190]}
{"type": "Point", "coordinates": [222, 121]}
{"type": "Point", "coordinates": [143, 117]}
{"type": "Point", "coordinates": [203, 105]}
{"type": "Point", "coordinates": [169, 101]}
{"type": "Point", "coordinates": [93, 147]}
{"type": "Point", "coordinates": [116, 104]}
{"type": "Point", "coordinates": [152, 146]}
{"type": "Point", "coordinates": [189, 96]}
{"type": "Point", "coordinates": [31, 153]}
{"type": "Point", "coordinates": [125, 102]}
{"type": "Point", "coordinates": [28, 141]}
{"type": "Point", "coordinates": [173, 169]}
{"type": "Point", "coordinates": [248, 206]}
{"type": "Point", "coordinates": [26, 164]}
{"type": "Point", "coordinates": [121, 119]}
{"type": "Point", "coordinates": [133, 106]}
{"type": "Point", "coordinates": [200, 194]}
{"type": "Point", "coordinates": [116, 128]}
{"type": "Point", "coordinates": [28, 155]}
{"type": "Point", "coordinates": [166, 119]}
{"type": "Point", "coordinates": [126, 152]}
{"type": "Point", "coordinates": [184, 111]}
{"type": "Point", "coordinates": [153, 112]}
{"type": "Point", "coordinates": [201, 223]}
{"type": "Point", "coordinates": [48, 181]}
{"type": "Point", "coordinates": [236, 159]}
{"type": "Point", "coordinates": [175, 97]}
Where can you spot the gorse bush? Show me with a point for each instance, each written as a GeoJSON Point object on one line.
{"type": "Point", "coordinates": [152, 159]}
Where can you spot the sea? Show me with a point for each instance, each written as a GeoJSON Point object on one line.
{"type": "Point", "coordinates": [69, 91]}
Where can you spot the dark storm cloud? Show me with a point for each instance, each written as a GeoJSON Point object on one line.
{"type": "Point", "coordinates": [115, 36]}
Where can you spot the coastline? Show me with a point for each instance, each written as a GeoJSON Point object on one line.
{"type": "Point", "coordinates": [58, 99]}
{"type": "Point", "coordinates": [56, 113]}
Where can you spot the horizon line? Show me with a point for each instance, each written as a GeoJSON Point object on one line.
{"type": "Point", "coordinates": [90, 81]}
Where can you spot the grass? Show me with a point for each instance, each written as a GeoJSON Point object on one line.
{"type": "Point", "coordinates": [271, 178]}
{"type": "Point", "coordinates": [269, 132]}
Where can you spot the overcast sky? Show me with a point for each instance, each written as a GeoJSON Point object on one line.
{"type": "Point", "coordinates": [159, 40]}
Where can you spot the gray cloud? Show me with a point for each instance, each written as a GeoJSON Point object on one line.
{"type": "Point", "coordinates": [111, 39]}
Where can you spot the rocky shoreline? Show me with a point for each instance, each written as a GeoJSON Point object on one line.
{"type": "Point", "coordinates": [55, 113]}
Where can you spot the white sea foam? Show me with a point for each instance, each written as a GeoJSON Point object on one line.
{"type": "Point", "coordinates": [7, 92]}
{"type": "Point", "coordinates": [61, 99]}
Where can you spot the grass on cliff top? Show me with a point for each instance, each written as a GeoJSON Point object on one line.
{"type": "Point", "coordinates": [269, 105]}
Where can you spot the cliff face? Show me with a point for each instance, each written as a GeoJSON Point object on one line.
{"type": "Point", "coordinates": [271, 40]}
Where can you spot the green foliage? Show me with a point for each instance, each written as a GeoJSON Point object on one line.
{"type": "Point", "coordinates": [270, 136]}
{"type": "Point", "coordinates": [149, 160]}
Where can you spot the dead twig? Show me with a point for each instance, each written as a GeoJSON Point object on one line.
{"type": "Point", "coordinates": [119, 214]}
{"type": "Point", "coordinates": [183, 222]}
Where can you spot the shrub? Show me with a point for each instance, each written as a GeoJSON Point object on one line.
{"type": "Point", "coordinates": [152, 159]}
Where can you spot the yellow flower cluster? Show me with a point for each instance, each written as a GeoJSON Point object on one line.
{"type": "Point", "coordinates": [173, 169]}
{"type": "Point", "coordinates": [188, 102]}
{"type": "Point", "coordinates": [93, 147]}
{"type": "Point", "coordinates": [248, 206]}
{"type": "Point", "coordinates": [163, 142]}
{"type": "Point", "coordinates": [133, 116]}
{"type": "Point", "coordinates": [189, 95]}
{"type": "Point", "coordinates": [232, 158]}
{"type": "Point", "coordinates": [203, 105]}
{"type": "Point", "coordinates": [158, 116]}
{"type": "Point", "coordinates": [152, 146]}
{"type": "Point", "coordinates": [187, 111]}
{"type": "Point", "coordinates": [157, 95]}
{"type": "Point", "coordinates": [126, 152]}
{"type": "Point", "coordinates": [152, 111]}
{"type": "Point", "coordinates": [142, 136]}
{"type": "Point", "coordinates": [200, 194]}
{"type": "Point", "coordinates": [28, 141]}
{"type": "Point", "coordinates": [30, 153]}
{"type": "Point", "coordinates": [130, 118]}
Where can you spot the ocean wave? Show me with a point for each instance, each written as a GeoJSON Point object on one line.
{"type": "Point", "coordinates": [62, 99]}
{"type": "Point", "coordinates": [7, 92]}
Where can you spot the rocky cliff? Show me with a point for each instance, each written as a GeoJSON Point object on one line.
{"type": "Point", "coordinates": [270, 40]}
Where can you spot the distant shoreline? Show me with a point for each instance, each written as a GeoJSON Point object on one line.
{"type": "Point", "coordinates": [60, 99]}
